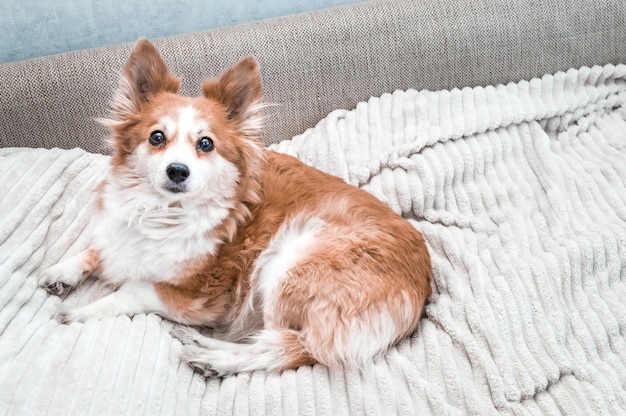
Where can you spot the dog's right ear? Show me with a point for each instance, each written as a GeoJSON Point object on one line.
{"type": "Point", "coordinates": [144, 75]}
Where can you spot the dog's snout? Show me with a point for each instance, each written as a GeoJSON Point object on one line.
{"type": "Point", "coordinates": [177, 172]}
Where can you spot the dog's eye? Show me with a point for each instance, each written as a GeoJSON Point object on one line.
{"type": "Point", "coordinates": [206, 144]}
{"type": "Point", "coordinates": [157, 138]}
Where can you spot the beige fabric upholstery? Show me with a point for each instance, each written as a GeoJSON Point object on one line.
{"type": "Point", "coordinates": [319, 61]}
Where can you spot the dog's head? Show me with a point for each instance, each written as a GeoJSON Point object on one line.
{"type": "Point", "coordinates": [185, 148]}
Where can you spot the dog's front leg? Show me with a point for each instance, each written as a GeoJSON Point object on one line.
{"type": "Point", "coordinates": [67, 274]}
{"type": "Point", "coordinates": [130, 299]}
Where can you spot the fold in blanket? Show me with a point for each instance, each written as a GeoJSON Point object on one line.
{"type": "Point", "coordinates": [520, 191]}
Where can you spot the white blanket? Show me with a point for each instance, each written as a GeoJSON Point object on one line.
{"type": "Point", "coordinates": [520, 191]}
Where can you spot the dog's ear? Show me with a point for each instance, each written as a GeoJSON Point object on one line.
{"type": "Point", "coordinates": [144, 75]}
{"type": "Point", "coordinates": [239, 90]}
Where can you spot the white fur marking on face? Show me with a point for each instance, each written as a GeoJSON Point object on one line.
{"type": "Point", "coordinates": [186, 125]}
{"type": "Point", "coordinates": [181, 132]}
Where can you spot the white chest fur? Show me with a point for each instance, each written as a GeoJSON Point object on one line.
{"type": "Point", "coordinates": [143, 238]}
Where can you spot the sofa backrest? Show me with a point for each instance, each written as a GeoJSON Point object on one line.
{"type": "Point", "coordinates": [316, 62]}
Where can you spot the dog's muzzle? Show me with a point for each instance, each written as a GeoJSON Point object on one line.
{"type": "Point", "coordinates": [177, 172]}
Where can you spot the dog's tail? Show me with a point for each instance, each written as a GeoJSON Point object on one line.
{"type": "Point", "coordinates": [271, 349]}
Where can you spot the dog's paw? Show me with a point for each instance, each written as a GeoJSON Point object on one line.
{"type": "Point", "coordinates": [198, 359]}
{"type": "Point", "coordinates": [66, 315]}
{"type": "Point", "coordinates": [59, 289]}
{"type": "Point", "coordinates": [58, 280]}
{"type": "Point", "coordinates": [52, 283]}
{"type": "Point", "coordinates": [203, 369]}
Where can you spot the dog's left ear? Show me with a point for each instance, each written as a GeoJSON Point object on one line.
{"type": "Point", "coordinates": [239, 90]}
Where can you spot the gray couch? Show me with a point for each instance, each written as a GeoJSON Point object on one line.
{"type": "Point", "coordinates": [317, 62]}
{"type": "Point", "coordinates": [523, 322]}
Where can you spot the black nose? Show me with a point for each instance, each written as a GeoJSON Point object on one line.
{"type": "Point", "coordinates": [177, 172]}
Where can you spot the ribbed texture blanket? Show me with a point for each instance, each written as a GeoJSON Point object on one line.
{"type": "Point", "coordinates": [520, 192]}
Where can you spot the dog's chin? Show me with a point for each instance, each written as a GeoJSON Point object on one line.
{"type": "Point", "coordinates": [172, 190]}
{"type": "Point", "coordinates": [175, 188]}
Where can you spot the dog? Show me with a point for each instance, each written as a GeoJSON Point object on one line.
{"type": "Point", "coordinates": [197, 222]}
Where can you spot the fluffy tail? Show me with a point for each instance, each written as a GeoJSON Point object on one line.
{"type": "Point", "coordinates": [272, 349]}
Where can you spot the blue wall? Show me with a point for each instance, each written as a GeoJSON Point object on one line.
{"type": "Point", "coordinates": [30, 28]}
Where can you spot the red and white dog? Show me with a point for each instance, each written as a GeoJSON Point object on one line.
{"type": "Point", "coordinates": [198, 223]}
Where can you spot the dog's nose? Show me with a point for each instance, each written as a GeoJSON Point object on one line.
{"type": "Point", "coordinates": [177, 172]}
